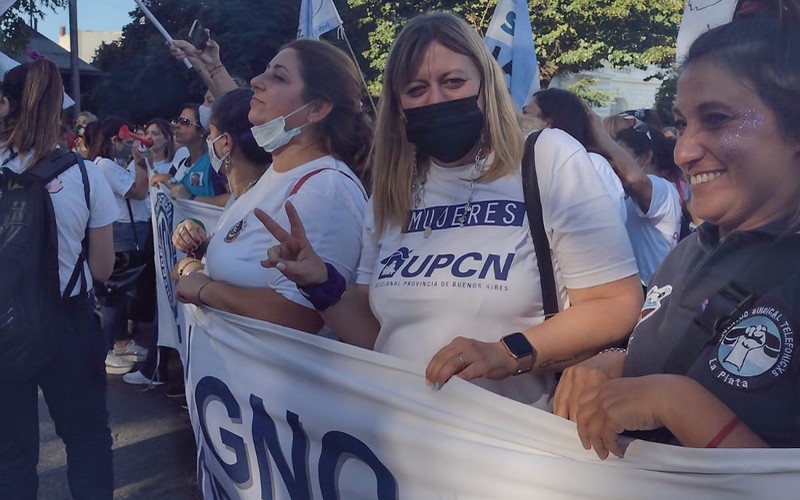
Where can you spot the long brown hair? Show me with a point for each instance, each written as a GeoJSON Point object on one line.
{"type": "Point", "coordinates": [35, 94]}
{"type": "Point", "coordinates": [329, 74]}
{"type": "Point", "coordinates": [392, 154]}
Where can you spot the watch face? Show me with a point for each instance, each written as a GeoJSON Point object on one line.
{"type": "Point", "coordinates": [518, 344]}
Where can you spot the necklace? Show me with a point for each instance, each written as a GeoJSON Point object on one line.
{"type": "Point", "coordinates": [246, 189]}
{"type": "Point", "coordinates": [419, 193]}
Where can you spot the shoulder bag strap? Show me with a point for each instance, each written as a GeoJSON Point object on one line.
{"type": "Point", "coordinates": [78, 271]}
{"type": "Point", "coordinates": [776, 265]}
{"type": "Point", "coordinates": [133, 227]}
{"type": "Point", "coordinates": [541, 245]}
{"type": "Point", "coordinates": [311, 174]}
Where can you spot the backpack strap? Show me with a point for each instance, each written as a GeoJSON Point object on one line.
{"type": "Point", "coordinates": [54, 164]}
{"type": "Point", "coordinates": [78, 272]}
{"type": "Point", "coordinates": [311, 174]}
{"type": "Point", "coordinates": [541, 245]}
{"type": "Point", "coordinates": [776, 265]}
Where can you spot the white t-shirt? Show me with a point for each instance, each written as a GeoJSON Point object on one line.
{"type": "Point", "coordinates": [611, 182]}
{"type": "Point", "coordinates": [72, 214]}
{"type": "Point", "coordinates": [179, 162]}
{"type": "Point", "coordinates": [331, 205]}
{"type": "Point", "coordinates": [481, 281]}
{"type": "Point", "coordinates": [121, 180]}
{"type": "Point", "coordinates": [140, 208]}
{"type": "Point", "coordinates": [655, 233]}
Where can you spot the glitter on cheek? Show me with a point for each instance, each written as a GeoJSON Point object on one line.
{"type": "Point", "coordinates": [731, 140]}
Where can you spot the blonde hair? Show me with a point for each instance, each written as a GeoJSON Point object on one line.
{"type": "Point", "coordinates": [35, 94]}
{"type": "Point", "coordinates": [393, 163]}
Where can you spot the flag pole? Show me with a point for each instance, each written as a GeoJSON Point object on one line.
{"type": "Point", "coordinates": [360, 73]}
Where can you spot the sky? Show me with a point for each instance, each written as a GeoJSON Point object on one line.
{"type": "Point", "coordinates": [106, 15]}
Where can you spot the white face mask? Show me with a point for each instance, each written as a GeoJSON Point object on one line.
{"type": "Point", "coordinates": [273, 134]}
{"type": "Point", "coordinates": [216, 161]}
{"type": "Point", "coordinates": [204, 113]}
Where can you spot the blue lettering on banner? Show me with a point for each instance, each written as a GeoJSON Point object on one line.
{"type": "Point", "coordinates": [336, 448]}
{"type": "Point", "coordinates": [167, 255]}
{"type": "Point", "coordinates": [460, 266]}
{"type": "Point", "coordinates": [482, 213]}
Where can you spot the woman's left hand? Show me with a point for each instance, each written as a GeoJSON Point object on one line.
{"type": "Point", "coordinates": [188, 289]}
{"type": "Point", "coordinates": [469, 359]}
{"type": "Point", "coordinates": [619, 405]}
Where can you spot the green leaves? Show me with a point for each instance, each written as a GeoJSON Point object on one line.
{"type": "Point", "coordinates": [13, 30]}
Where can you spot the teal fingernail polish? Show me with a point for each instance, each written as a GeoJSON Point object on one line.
{"type": "Point", "coordinates": [436, 386]}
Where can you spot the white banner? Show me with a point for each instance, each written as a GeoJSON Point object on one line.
{"type": "Point", "coordinates": [509, 38]}
{"type": "Point", "coordinates": [700, 16]}
{"type": "Point", "coordinates": [166, 214]}
{"type": "Point", "coordinates": [286, 415]}
{"type": "Point", "coordinates": [317, 17]}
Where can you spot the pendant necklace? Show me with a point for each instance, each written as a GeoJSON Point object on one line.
{"type": "Point", "coordinates": [419, 194]}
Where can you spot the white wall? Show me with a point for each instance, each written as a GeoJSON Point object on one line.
{"type": "Point", "coordinates": [89, 41]}
{"type": "Point", "coordinates": [626, 86]}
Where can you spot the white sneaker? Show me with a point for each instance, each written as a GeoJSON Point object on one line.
{"type": "Point", "coordinates": [116, 365]}
{"type": "Point", "coordinates": [132, 352]}
{"type": "Point", "coordinates": [138, 378]}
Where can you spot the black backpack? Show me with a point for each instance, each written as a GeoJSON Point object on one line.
{"type": "Point", "coordinates": [29, 281]}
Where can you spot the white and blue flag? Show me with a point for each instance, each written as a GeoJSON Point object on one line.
{"type": "Point", "coordinates": [510, 40]}
{"type": "Point", "coordinates": [316, 18]}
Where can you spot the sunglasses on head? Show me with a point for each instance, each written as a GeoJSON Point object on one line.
{"type": "Point", "coordinates": [642, 128]}
{"type": "Point", "coordinates": [185, 122]}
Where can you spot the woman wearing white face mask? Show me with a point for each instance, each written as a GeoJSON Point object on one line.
{"type": "Point", "coordinates": [326, 133]}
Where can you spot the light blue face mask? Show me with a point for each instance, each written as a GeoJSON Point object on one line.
{"type": "Point", "coordinates": [273, 134]}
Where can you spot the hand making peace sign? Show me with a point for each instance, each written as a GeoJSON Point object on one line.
{"type": "Point", "coordinates": [293, 256]}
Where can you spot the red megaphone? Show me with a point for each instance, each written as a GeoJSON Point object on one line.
{"type": "Point", "coordinates": [125, 133]}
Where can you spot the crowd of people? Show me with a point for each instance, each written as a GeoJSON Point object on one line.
{"type": "Point", "coordinates": [333, 225]}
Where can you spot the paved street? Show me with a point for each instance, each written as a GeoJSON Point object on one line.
{"type": "Point", "coordinates": [154, 451]}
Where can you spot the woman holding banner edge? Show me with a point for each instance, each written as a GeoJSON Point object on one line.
{"type": "Point", "coordinates": [313, 89]}
{"type": "Point", "coordinates": [739, 144]}
{"type": "Point", "coordinates": [448, 149]}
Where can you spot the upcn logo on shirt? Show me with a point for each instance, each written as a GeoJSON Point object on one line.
{"type": "Point", "coordinates": [469, 265]}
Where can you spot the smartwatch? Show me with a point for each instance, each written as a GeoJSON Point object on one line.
{"type": "Point", "coordinates": [520, 348]}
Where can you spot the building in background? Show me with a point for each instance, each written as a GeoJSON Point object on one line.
{"type": "Point", "coordinates": [626, 87]}
{"type": "Point", "coordinates": [88, 41]}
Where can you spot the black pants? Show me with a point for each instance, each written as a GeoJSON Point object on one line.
{"type": "Point", "coordinates": [74, 387]}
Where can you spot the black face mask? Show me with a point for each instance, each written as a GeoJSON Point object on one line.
{"type": "Point", "coordinates": [446, 131]}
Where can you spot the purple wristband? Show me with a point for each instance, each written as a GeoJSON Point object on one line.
{"type": "Point", "coordinates": [325, 295]}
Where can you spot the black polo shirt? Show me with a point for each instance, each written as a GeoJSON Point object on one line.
{"type": "Point", "coordinates": [752, 367]}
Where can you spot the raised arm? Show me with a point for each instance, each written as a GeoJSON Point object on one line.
{"type": "Point", "coordinates": [346, 308]}
{"type": "Point", "coordinates": [634, 180]}
{"type": "Point", "coordinates": [207, 63]}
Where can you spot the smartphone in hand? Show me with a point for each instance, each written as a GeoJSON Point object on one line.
{"type": "Point", "coordinates": [197, 35]}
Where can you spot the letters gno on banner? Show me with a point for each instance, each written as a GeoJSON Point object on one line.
{"type": "Point", "coordinates": [336, 448]}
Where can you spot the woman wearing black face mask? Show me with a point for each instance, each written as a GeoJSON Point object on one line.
{"type": "Point", "coordinates": [448, 273]}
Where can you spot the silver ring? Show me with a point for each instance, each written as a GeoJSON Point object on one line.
{"type": "Point", "coordinates": [463, 363]}
{"type": "Point", "coordinates": [183, 229]}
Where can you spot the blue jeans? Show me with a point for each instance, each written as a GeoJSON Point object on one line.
{"type": "Point", "coordinates": [74, 387]}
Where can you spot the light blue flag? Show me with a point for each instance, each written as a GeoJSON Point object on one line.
{"type": "Point", "coordinates": [317, 17]}
{"type": "Point", "coordinates": [5, 5]}
{"type": "Point", "coordinates": [510, 40]}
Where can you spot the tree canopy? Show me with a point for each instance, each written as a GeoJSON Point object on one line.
{"type": "Point", "coordinates": [13, 29]}
{"type": "Point", "coordinates": [570, 35]}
